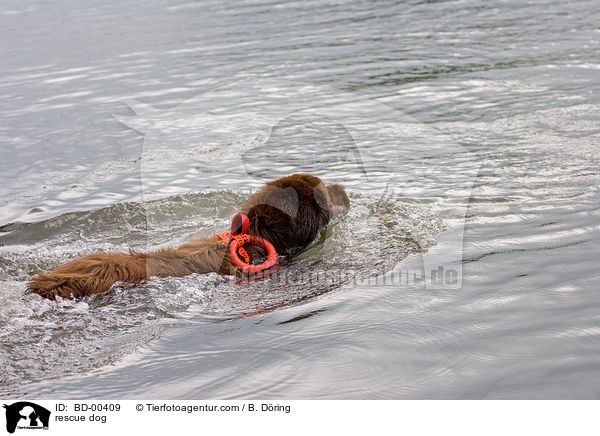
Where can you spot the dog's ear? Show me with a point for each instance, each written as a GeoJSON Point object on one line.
{"type": "Point", "coordinates": [284, 199]}
{"type": "Point", "coordinates": [273, 211]}
{"type": "Point", "coordinates": [322, 196]}
{"type": "Point", "coordinates": [272, 224]}
{"type": "Point", "coordinates": [265, 220]}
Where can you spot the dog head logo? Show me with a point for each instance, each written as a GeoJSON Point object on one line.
{"type": "Point", "coordinates": [26, 415]}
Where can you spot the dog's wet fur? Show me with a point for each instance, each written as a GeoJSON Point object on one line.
{"type": "Point", "coordinates": [288, 212]}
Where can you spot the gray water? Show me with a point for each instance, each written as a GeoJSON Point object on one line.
{"type": "Point", "coordinates": [467, 134]}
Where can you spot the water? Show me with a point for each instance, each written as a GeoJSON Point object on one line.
{"type": "Point", "coordinates": [467, 135]}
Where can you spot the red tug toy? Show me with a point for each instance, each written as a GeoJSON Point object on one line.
{"type": "Point", "coordinates": [238, 237]}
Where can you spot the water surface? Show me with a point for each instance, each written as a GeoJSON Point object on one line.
{"type": "Point", "coordinates": [467, 134]}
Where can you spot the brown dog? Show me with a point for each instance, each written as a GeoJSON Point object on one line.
{"type": "Point", "coordinates": [288, 212]}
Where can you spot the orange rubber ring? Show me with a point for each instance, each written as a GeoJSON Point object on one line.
{"type": "Point", "coordinates": [239, 241]}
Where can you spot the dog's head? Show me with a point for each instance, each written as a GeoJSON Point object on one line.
{"type": "Point", "coordinates": [289, 212]}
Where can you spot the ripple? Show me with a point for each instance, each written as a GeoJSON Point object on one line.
{"type": "Point", "coordinates": [78, 336]}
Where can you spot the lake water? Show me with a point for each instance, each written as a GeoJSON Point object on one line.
{"type": "Point", "coordinates": [467, 134]}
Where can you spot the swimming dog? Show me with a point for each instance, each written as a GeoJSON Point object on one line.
{"type": "Point", "coordinates": [278, 221]}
